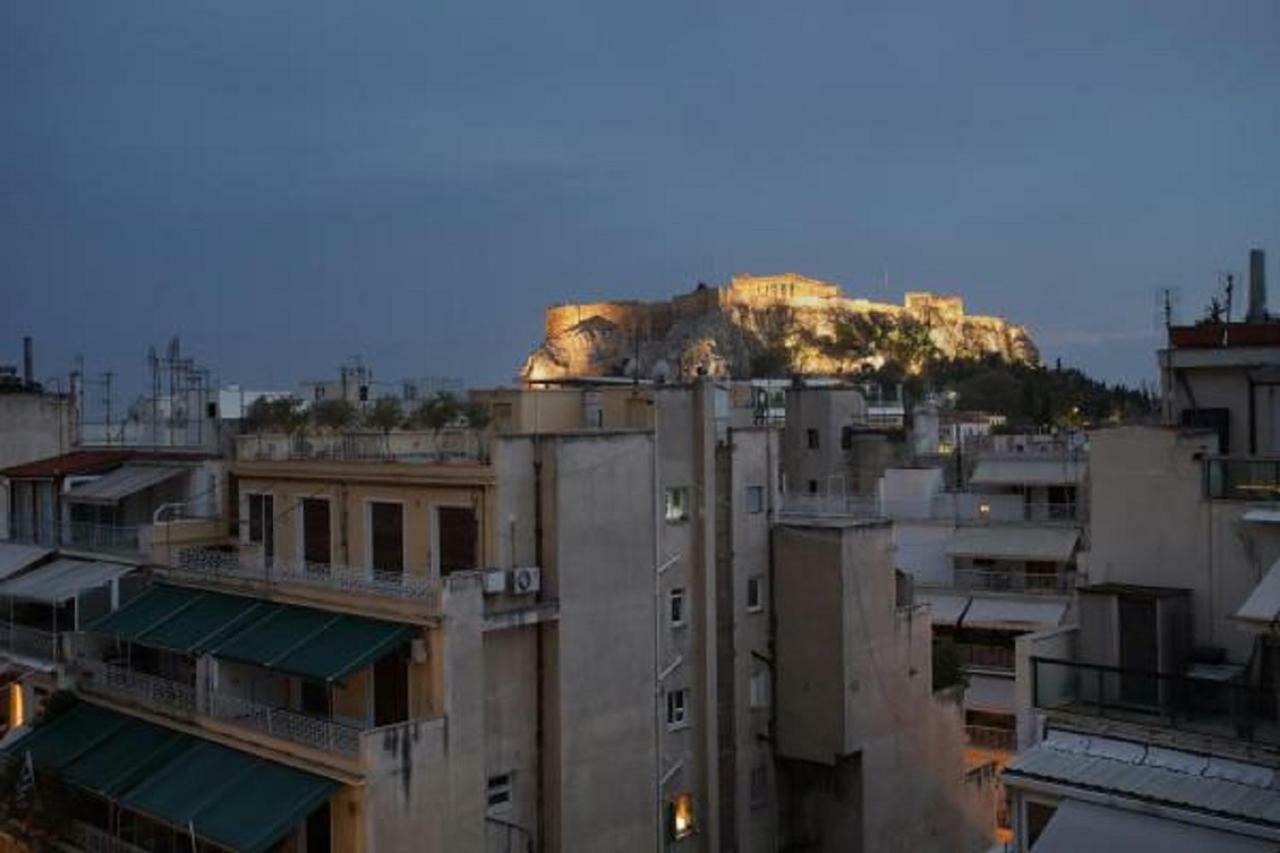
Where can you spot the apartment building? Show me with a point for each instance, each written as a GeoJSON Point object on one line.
{"type": "Point", "coordinates": [838, 444]}
{"type": "Point", "coordinates": [1153, 714]}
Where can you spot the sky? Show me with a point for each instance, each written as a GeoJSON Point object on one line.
{"type": "Point", "coordinates": [286, 185]}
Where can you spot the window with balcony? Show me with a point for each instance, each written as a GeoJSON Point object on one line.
{"type": "Point", "coordinates": [386, 536]}
{"type": "Point", "coordinates": [676, 500]}
{"type": "Point", "coordinates": [677, 708]}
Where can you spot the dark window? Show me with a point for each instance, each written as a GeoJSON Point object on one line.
{"type": "Point", "coordinates": [677, 607]}
{"type": "Point", "coordinates": [813, 487]}
{"type": "Point", "coordinates": [387, 536]}
{"type": "Point", "coordinates": [391, 689]}
{"type": "Point", "coordinates": [846, 438]}
{"type": "Point", "coordinates": [315, 531]}
{"type": "Point", "coordinates": [755, 499]}
{"type": "Point", "coordinates": [262, 524]}
{"type": "Point", "coordinates": [813, 439]}
{"type": "Point", "coordinates": [498, 793]}
{"type": "Point", "coordinates": [319, 833]}
{"type": "Point", "coordinates": [1218, 420]}
{"type": "Point", "coordinates": [459, 531]}
{"type": "Point", "coordinates": [755, 593]}
{"type": "Point", "coordinates": [315, 698]}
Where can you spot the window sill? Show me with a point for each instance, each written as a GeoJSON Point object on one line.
{"type": "Point", "coordinates": [677, 727]}
{"type": "Point", "coordinates": [757, 609]}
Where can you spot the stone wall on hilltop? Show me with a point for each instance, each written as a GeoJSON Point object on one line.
{"type": "Point", "coordinates": [776, 324]}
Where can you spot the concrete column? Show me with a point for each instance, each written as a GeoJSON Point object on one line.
{"type": "Point", "coordinates": [464, 713]}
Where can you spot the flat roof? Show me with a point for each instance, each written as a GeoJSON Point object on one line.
{"type": "Point", "coordinates": [1078, 825]}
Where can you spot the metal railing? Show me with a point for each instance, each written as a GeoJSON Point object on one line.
{"type": "Point", "coordinates": [175, 697]}
{"type": "Point", "coordinates": [214, 564]}
{"type": "Point", "coordinates": [1038, 583]}
{"type": "Point", "coordinates": [1225, 709]}
{"type": "Point", "coordinates": [28, 642]}
{"type": "Point", "coordinates": [151, 691]}
{"type": "Point", "coordinates": [960, 507]}
{"type": "Point", "coordinates": [991, 737]}
{"type": "Point", "coordinates": [79, 536]}
{"type": "Point", "coordinates": [986, 657]}
{"type": "Point", "coordinates": [449, 444]}
{"type": "Point", "coordinates": [90, 839]}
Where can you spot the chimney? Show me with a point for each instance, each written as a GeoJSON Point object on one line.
{"type": "Point", "coordinates": [1257, 286]}
{"type": "Point", "coordinates": [28, 367]}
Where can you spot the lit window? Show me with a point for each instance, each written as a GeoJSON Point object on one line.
{"type": "Point", "coordinates": [755, 593]}
{"type": "Point", "coordinates": [682, 820]}
{"type": "Point", "coordinates": [498, 794]}
{"type": "Point", "coordinates": [677, 707]}
{"type": "Point", "coordinates": [677, 504]}
{"type": "Point", "coordinates": [760, 689]}
{"type": "Point", "coordinates": [677, 608]}
{"type": "Point", "coordinates": [755, 499]}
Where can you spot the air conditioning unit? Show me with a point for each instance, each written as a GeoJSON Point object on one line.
{"type": "Point", "coordinates": [526, 579]}
{"type": "Point", "coordinates": [495, 582]}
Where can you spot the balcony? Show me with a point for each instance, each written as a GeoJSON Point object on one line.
{"type": "Point", "coordinates": [25, 641]}
{"type": "Point", "coordinates": [185, 701]}
{"type": "Point", "coordinates": [90, 839]}
{"type": "Point", "coordinates": [110, 539]}
{"type": "Point", "coordinates": [445, 445]}
{"type": "Point", "coordinates": [973, 656]}
{"type": "Point", "coordinates": [955, 507]}
{"type": "Point", "coordinates": [990, 737]}
{"type": "Point", "coordinates": [1015, 580]}
{"type": "Point", "coordinates": [1220, 709]}
{"type": "Point", "coordinates": [227, 567]}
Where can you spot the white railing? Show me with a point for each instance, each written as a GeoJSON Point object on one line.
{"type": "Point", "coordinates": [453, 443]}
{"type": "Point", "coordinates": [314, 732]}
{"type": "Point", "coordinates": [1041, 583]}
{"type": "Point", "coordinates": [990, 737]}
{"type": "Point", "coordinates": [175, 697]}
{"type": "Point", "coordinates": [961, 507]}
{"type": "Point", "coordinates": [151, 691]}
{"type": "Point", "coordinates": [90, 839]}
{"type": "Point", "coordinates": [28, 642]}
{"type": "Point", "coordinates": [212, 564]}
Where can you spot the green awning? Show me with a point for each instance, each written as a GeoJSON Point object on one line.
{"type": "Point", "coordinates": [231, 798]}
{"type": "Point", "coordinates": [303, 641]}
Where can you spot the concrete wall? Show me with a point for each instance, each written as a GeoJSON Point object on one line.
{"type": "Point", "coordinates": [34, 426]}
{"type": "Point", "coordinates": [406, 805]}
{"type": "Point", "coordinates": [1054, 644]}
{"type": "Point", "coordinates": [826, 410]}
{"type": "Point", "coordinates": [510, 732]}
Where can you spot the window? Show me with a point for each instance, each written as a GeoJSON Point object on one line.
{"type": "Point", "coordinates": [680, 821]}
{"type": "Point", "coordinates": [262, 524]}
{"type": "Point", "coordinates": [755, 499]}
{"type": "Point", "coordinates": [315, 531]}
{"type": "Point", "coordinates": [498, 794]}
{"type": "Point", "coordinates": [759, 786]}
{"type": "Point", "coordinates": [760, 689]}
{"type": "Point", "coordinates": [386, 536]}
{"type": "Point", "coordinates": [812, 438]}
{"type": "Point", "coordinates": [846, 438]}
{"type": "Point", "coordinates": [813, 487]}
{"type": "Point", "coordinates": [459, 531]}
{"type": "Point", "coordinates": [755, 593]}
{"type": "Point", "coordinates": [677, 608]}
{"type": "Point", "coordinates": [677, 708]}
{"type": "Point", "coordinates": [677, 504]}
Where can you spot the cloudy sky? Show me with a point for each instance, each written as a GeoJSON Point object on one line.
{"type": "Point", "coordinates": [288, 184]}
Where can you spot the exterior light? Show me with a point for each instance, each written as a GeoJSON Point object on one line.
{"type": "Point", "coordinates": [984, 510]}
{"type": "Point", "coordinates": [17, 712]}
{"type": "Point", "coordinates": [683, 822]}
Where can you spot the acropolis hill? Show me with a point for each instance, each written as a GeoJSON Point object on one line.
{"type": "Point", "coordinates": [766, 325]}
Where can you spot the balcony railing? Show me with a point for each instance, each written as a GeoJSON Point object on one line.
{"type": "Point", "coordinates": [1224, 709]}
{"type": "Point", "coordinates": [28, 642]}
{"type": "Point", "coordinates": [90, 839]}
{"type": "Point", "coordinates": [450, 444]}
{"type": "Point", "coordinates": [213, 564]}
{"type": "Point", "coordinates": [119, 540]}
{"type": "Point", "coordinates": [990, 737]}
{"type": "Point", "coordinates": [958, 507]}
{"type": "Point", "coordinates": [986, 657]}
{"type": "Point", "coordinates": [1036, 583]}
{"type": "Point", "coordinates": [175, 697]}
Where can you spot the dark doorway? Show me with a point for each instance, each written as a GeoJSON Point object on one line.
{"type": "Point", "coordinates": [316, 540]}
{"type": "Point", "coordinates": [1139, 653]}
{"type": "Point", "coordinates": [262, 517]}
{"type": "Point", "coordinates": [386, 536]}
{"type": "Point", "coordinates": [459, 531]}
{"type": "Point", "coordinates": [315, 698]}
{"type": "Point", "coordinates": [319, 830]}
{"type": "Point", "coordinates": [391, 689]}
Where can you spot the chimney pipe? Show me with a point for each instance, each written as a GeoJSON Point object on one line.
{"type": "Point", "coordinates": [28, 367]}
{"type": "Point", "coordinates": [1257, 286]}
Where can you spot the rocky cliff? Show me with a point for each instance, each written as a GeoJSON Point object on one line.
{"type": "Point", "coordinates": [766, 326]}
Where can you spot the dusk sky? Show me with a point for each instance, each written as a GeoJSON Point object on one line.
{"type": "Point", "coordinates": [285, 185]}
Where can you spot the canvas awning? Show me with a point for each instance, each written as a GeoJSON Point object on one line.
{"type": "Point", "coordinates": [944, 609]}
{"type": "Point", "coordinates": [1078, 825]}
{"type": "Point", "coordinates": [1015, 542]}
{"type": "Point", "coordinates": [124, 481]}
{"type": "Point", "coordinates": [990, 693]}
{"type": "Point", "coordinates": [1013, 613]}
{"type": "Point", "coordinates": [175, 778]}
{"type": "Point", "coordinates": [1262, 607]}
{"type": "Point", "coordinates": [300, 640]}
{"type": "Point", "coordinates": [14, 558]}
{"type": "Point", "coordinates": [1028, 472]}
{"type": "Point", "coordinates": [62, 580]}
